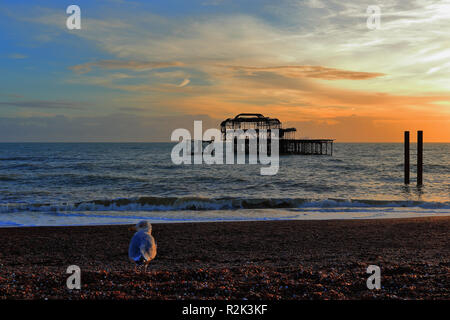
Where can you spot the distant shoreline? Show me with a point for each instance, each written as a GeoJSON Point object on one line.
{"type": "Point", "coordinates": [234, 260]}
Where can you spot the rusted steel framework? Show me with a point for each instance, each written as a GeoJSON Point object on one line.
{"type": "Point", "coordinates": [287, 142]}
{"type": "Point", "coordinates": [256, 121]}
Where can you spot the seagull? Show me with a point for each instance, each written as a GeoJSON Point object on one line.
{"type": "Point", "coordinates": [142, 246]}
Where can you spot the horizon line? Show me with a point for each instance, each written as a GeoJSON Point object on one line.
{"type": "Point", "coordinates": [177, 142]}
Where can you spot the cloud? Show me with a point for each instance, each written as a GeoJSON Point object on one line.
{"type": "Point", "coordinates": [355, 128]}
{"type": "Point", "coordinates": [17, 56]}
{"type": "Point", "coordinates": [109, 128]}
{"type": "Point", "coordinates": [124, 64]}
{"type": "Point", "coordinates": [288, 33]}
{"type": "Point", "coordinates": [184, 83]}
{"type": "Point", "coordinates": [317, 72]}
{"type": "Point", "coordinates": [141, 128]}
{"type": "Point", "coordinates": [11, 95]}
{"type": "Point", "coordinates": [132, 109]}
{"type": "Point", "coordinates": [212, 2]}
{"type": "Point", "coordinates": [315, 4]}
{"type": "Point", "coordinates": [42, 104]}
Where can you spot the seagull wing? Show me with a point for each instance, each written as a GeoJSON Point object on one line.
{"type": "Point", "coordinates": [134, 250]}
{"type": "Point", "coordinates": [148, 247]}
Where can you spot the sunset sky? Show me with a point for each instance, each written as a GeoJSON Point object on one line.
{"type": "Point", "coordinates": [139, 69]}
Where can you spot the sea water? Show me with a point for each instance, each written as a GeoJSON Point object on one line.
{"type": "Point", "coordinates": [117, 183]}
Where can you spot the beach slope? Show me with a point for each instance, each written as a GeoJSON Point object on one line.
{"type": "Point", "coordinates": [233, 260]}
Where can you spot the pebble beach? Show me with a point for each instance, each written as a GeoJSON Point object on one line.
{"type": "Point", "coordinates": [270, 260]}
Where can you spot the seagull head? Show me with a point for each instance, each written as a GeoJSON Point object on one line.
{"type": "Point", "coordinates": [144, 226]}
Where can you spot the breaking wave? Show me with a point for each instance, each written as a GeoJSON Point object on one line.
{"type": "Point", "coordinates": [202, 204]}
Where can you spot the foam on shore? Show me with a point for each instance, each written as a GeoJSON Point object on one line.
{"type": "Point", "coordinates": [178, 210]}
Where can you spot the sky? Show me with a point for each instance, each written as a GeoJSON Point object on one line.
{"type": "Point", "coordinates": [136, 70]}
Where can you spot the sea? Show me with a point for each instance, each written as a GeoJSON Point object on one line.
{"type": "Point", "coordinates": [61, 184]}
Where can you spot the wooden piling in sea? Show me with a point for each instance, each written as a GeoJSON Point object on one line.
{"type": "Point", "coordinates": [406, 162]}
{"type": "Point", "coordinates": [419, 158]}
